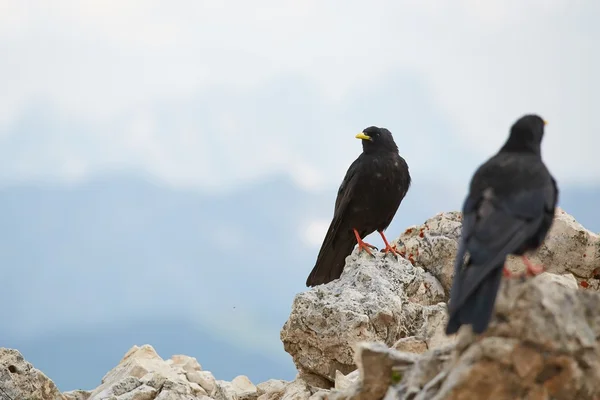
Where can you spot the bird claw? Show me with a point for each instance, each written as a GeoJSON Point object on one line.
{"type": "Point", "coordinates": [391, 249]}
{"type": "Point", "coordinates": [365, 246]}
{"type": "Point", "coordinates": [388, 248]}
{"type": "Point", "coordinates": [532, 270]}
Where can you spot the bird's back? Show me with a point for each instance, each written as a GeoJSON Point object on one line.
{"type": "Point", "coordinates": [508, 173]}
{"type": "Point", "coordinates": [509, 187]}
{"type": "Point", "coordinates": [383, 184]}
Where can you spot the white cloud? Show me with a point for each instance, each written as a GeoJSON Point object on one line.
{"type": "Point", "coordinates": [484, 64]}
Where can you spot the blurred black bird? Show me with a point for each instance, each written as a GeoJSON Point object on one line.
{"type": "Point", "coordinates": [367, 201]}
{"type": "Point", "coordinates": [509, 210]}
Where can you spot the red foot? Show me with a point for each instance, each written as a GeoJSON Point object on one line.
{"type": "Point", "coordinates": [506, 272]}
{"type": "Point", "coordinates": [388, 248]}
{"type": "Point", "coordinates": [532, 269]}
{"type": "Point", "coordinates": [363, 245]}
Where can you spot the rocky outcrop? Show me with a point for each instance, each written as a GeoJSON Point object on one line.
{"type": "Point", "coordinates": [541, 345]}
{"type": "Point", "coordinates": [20, 380]}
{"type": "Point", "coordinates": [376, 299]}
{"type": "Point", "coordinates": [143, 374]}
{"type": "Point", "coordinates": [569, 248]}
{"type": "Point", "coordinates": [377, 333]}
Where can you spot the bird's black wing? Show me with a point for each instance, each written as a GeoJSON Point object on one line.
{"type": "Point", "coordinates": [552, 198]}
{"type": "Point", "coordinates": [494, 225]}
{"type": "Point", "coordinates": [345, 190]}
{"type": "Point", "coordinates": [338, 242]}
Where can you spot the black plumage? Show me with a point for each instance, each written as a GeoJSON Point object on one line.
{"type": "Point", "coordinates": [509, 210]}
{"type": "Point", "coordinates": [367, 201]}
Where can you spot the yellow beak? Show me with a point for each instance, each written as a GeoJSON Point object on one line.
{"type": "Point", "coordinates": [363, 136]}
{"type": "Point", "coordinates": [545, 122]}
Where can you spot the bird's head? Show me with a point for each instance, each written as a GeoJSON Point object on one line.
{"type": "Point", "coordinates": [526, 134]}
{"type": "Point", "coordinates": [376, 139]}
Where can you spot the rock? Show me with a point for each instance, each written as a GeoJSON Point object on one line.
{"type": "Point", "coordinates": [424, 374]}
{"type": "Point", "coordinates": [240, 388]}
{"type": "Point", "coordinates": [375, 299]}
{"type": "Point", "coordinates": [189, 364]}
{"type": "Point", "coordinates": [271, 386]}
{"type": "Point", "coordinates": [77, 395]}
{"type": "Point", "coordinates": [242, 384]}
{"type": "Point", "coordinates": [141, 392]}
{"type": "Point", "coordinates": [345, 381]}
{"type": "Point", "coordinates": [177, 390]}
{"type": "Point", "coordinates": [566, 280]}
{"type": "Point", "coordinates": [203, 378]}
{"type": "Point", "coordinates": [433, 245]}
{"type": "Point", "coordinates": [297, 390]}
{"type": "Point", "coordinates": [379, 367]}
{"type": "Point", "coordinates": [143, 374]}
{"type": "Point", "coordinates": [20, 380]}
{"type": "Point", "coordinates": [197, 389]}
{"type": "Point", "coordinates": [569, 248]}
{"type": "Point", "coordinates": [411, 344]}
{"type": "Point", "coordinates": [542, 344]}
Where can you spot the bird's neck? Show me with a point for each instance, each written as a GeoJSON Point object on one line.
{"type": "Point", "coordinates": [369, 149]}
{"type": "Point", "coordinates": [512, 146]}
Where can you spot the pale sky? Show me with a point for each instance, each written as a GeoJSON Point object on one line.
{"type": "Point", "coordinates": [211, 93]}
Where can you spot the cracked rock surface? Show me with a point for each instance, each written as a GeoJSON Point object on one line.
{"type": "Point", "coordinates": [376, 298]}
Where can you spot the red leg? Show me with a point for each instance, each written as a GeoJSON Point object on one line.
{"type": "Point", "coordinates": [532, 269]}
{"type": "Point", "coordinates": [506, 272]}
{"type": "Point", "coordinates": [388, 248]}
{"type": "Point", "coordinates": [363, 245]}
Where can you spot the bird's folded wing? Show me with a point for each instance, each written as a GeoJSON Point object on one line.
{"type": "Point", "coordinates": [493, 228]}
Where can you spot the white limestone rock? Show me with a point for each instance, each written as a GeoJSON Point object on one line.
{"type": "Point", "coordinates": [376, 299]}
{"type": "Point", "coordinates": [271, 386]}
{"type": "Point", "coordinates": [568, 248]}
{"type": "Point", "coordinates": [542, 343]}
{"type": "Point", "coordinates": [20, 380]}
{"type": "Point", "coordinates": [143, 374]}
{"type": "Point", "coordinates": [203, 378]}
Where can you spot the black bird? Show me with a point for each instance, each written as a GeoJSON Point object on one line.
{"type": "Point", "coordinates": [509, 210]}
{"type": "Point", "coordinates": [367, 201]}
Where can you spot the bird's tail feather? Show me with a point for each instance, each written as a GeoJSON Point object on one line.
{"type": "Point", "coordinates": [331, 259]}
{"type": "Point", "coordinates": [477, 309]}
